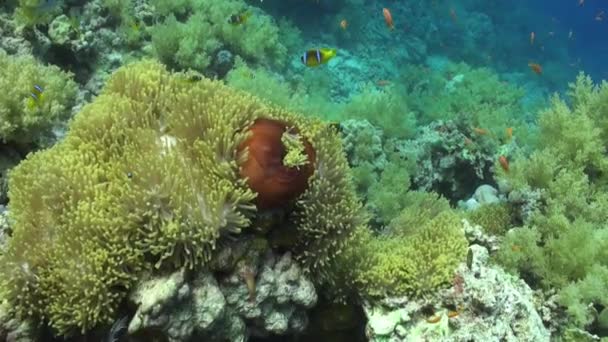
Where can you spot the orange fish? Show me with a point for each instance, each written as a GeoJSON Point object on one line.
{"type": "Point", "coordinates": [453, 15]}
{"type": "Point", "coordinates": [509, 133]}
{"type": "Point", "coordinates": [453, 313]}
{"type": "Point", "coordinates": [515, 248]}
{"type": "Point", "coordinates": [532, 36]}
{"type": "Point", "coordinates": [383, 83]}
{"type": "Point", "coordinates": [536, 68]}
{"type": "Point", "coordinates": [504, 163]}
{"type": "Point", "coordinates": [388, 18]}
{"type": "Point", "coordinates": [344, 24]}
{"type": "Point", "coordinates": [480, 131]}
{"type": "Point", "coordinates": [570, 33]}
{"type": "Point", "coordinates": [434, 319]}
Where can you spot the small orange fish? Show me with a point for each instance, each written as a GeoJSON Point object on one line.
{"type": "Point", "coordinates": [249, 276]}
{"type": "Point", "coordinates": [536, 68]}
{"type": "Point", "coordinates": [453, 314]}
{"type": "Point", "coordinates": [599, 16]}
{"type": "Point", "coordinates": [480, 131]}
{"type": "Point", "coordinates": [388, 18]}
{"type": "Point", "coordinates": [532, 36]}
{"type": "Point", "coordinates": [453, 15]}
{"type": "Point", "coordinates": [504, 163]}
{"type": "Point", "coordinates": [509, 133]}
{"type": "Point", "coordinates": [434, 319]}
{"type": "Point", "coordinates": [515, 248]}
{"type": "Point", "coordinates": [383, 83]}
{"type": "Point", "coordinates": [570, 33]}
{"type": "Point", "coordinates": [343, 24]}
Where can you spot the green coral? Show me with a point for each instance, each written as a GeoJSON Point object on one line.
{"type": "Point", "coordinates": [35, 12]}
{"type": "Point", "coordinates": [148, 177]}
{"type": "Point", "coordinates": [414, 262]}
{"type": "Point", "coordinates": [475, 96]}
{"type": "Point", "coordinates": [24, 120]}
{"type": "Point", "coordinates": [387, 196]}
{"type": "Point", "coordinates": [494, 218]}
{"type": "Point", "coordinates": [192, 42]}
{"type": "Point", "coordinates": [564, 241]}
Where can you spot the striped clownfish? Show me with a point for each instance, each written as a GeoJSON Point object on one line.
{"type": "Point", "coordinates": [239, 19]}
{"type": "Point", "coordinates": [36, 97]}
{"type": "Point", "coordinates": [316, 57]}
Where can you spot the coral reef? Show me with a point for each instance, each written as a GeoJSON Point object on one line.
{"type": "Point", "coordinates": [563, 240]}
{"type": "Point", "coordinates": [148, 177]}
{"type": "Point", "coordinates": [484, 303]}
{"type": "Point", "coordinates": [177, 42]}
{"type": "Point", "coordinates": [407, 260]}
{"type": "Point", "coordinates": [28, 117]}
{"type": "Point", "coordinates": [183, 308]}
{"type": "Point", "coordinates": [447, 155]}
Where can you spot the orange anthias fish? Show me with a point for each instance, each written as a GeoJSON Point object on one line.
{"type": "Point", "coordinates": [383, 83]}
{"type": "Point", "coordinates": [509, 133]}
{"type": "Point", "coordinates": [388, 18]}
{"type": "Point", "coordinates": [480, 131]}
{"type": "Point", "coordinates": [532, 36]}
{"type": "Point", "coordinates": [536, 68]}
{"type": "Point", "coordinates": [504, 163]}
{"type": "Point", "coordinates": [343, 24]}
{"type": "Point", "coordinates": [453, 15]}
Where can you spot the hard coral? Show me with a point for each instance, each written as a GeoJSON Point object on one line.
{"type": "Point", "coordinates": [266, 173]}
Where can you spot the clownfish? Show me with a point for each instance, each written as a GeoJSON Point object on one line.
{"type": "Point", "coordinates": [238, 19]}
{"type": "Point", "coordinates": [36, 97]}
{"type": "Point", "coordinates": [316, 57]}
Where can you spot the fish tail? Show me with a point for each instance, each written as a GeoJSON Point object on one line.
{"type": "Point", "coordinates": [246, 15]}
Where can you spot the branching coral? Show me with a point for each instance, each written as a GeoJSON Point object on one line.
{"type": "Point", "coordinates": [24, 119]}
{"type": "Point", "coordinates": [563, 243]}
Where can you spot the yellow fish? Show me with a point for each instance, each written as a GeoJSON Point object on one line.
{"type": "Point", "coordinates": [238, 19]}
{"type": "Point", "coordinates": [316, 57]}
{"type": "Point", "coordinates": [36, 97]}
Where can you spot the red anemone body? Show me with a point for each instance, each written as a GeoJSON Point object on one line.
{"type": "Point", "coordinates": [275, 183]}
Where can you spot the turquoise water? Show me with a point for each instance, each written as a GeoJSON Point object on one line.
{"type": "Point", "coordinates": [303, 170]}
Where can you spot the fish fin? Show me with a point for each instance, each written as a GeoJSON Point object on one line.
{"type": "Point", "coordinates": [117, 329]}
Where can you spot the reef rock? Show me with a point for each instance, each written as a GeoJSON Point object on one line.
{"type": "Point", "coordinates": [227, 308]}
{"type": "Point", "coordinates": [483, 304]}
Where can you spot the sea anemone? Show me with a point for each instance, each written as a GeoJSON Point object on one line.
{"type": "Point", "coordinates": [275, 183]}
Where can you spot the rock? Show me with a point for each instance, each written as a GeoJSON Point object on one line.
{"type": "Point", "coordinates": [225, 309]}
{"type": "Point", "coordinates": [483, 304]}
{"type": "Point", "coordinates": [486, 194]}
{"type": "Point", "coordinates": [60, 30]}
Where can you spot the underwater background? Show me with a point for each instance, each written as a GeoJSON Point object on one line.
{"type": "Point", "coordinates": [303, 170]}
